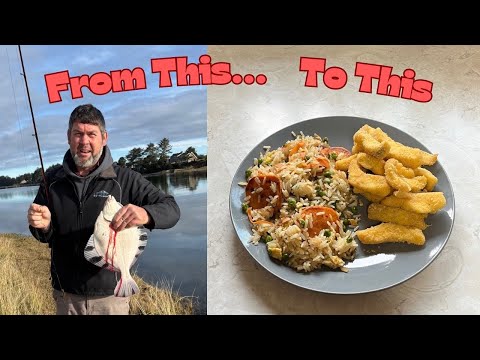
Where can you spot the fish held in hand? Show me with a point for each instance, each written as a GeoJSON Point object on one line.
{"type": "Point", "coordinates": [116, 251]}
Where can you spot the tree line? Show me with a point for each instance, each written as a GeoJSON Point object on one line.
{"type": "Point", "coordinates": [152, 158]}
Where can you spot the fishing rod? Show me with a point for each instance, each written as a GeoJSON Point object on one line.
{"type": "Point", "coordinates": [33, 121]}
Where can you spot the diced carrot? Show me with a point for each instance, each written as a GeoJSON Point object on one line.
{"type": "Point", "coordinates": [319, 221]}
{"type": "Point", "coordinates": [262, 222]}
{"type": "Point", "coordinates": [249, 213]}
{"type": "Point", "coordinates": [319, 161]}
{"type": "Point", "coordinates": [296, 147]}
{"type": "Point", "coordinates": [260, 199]}
{"type": "Point", "coordinates": [323, 162]}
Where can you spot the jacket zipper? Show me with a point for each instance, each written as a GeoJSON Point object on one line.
{"type": "Point", "coordinates": [80, 204]}
{"type": "Point", "coordinates": [91, 186]}
{"type": "Point", "coordinates": [85, 194]}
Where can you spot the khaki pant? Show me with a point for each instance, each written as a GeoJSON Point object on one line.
{"type": "Point", "coordinates": [71, 304]}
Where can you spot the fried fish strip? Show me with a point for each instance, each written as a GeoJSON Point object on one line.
{"type": "Point", "coordinates": [368, 183]}
{"type": "Point", "coordinates": [409, 156]}
{"type": "Point", "coordinates": [388, 232]}
{"type": "Point", "coordinates": [343, 164]}
{"type": "Point", "coordinates": [431, 179]}
{"type": "Point", "coordinates": [366, 142]}
{"type": "Point", "coordinates": [395, 215]}
{"type": "Point", "coordinates": [401, 178]}
{"type": "Point", "coordinates": [422, 203]}
{"type": "Point", "coordinates": [377, 166]}
{"type": "Point", "coordinates": [369, 196]}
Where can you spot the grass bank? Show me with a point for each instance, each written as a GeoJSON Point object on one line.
{"type": "Point", "coordinates": [25, 287]}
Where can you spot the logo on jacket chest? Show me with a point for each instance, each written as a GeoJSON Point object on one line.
{"type": "Point", "coordinates": [101, 193]}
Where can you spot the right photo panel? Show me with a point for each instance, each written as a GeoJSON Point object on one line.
{"type": "Point", "coordinates": [343, 179]}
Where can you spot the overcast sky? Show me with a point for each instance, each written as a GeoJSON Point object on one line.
{"type": "Point", "coordinates": [133, 118]}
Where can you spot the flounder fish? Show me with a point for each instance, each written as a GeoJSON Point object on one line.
{"type": "Point", "coordinates": [116, 251]}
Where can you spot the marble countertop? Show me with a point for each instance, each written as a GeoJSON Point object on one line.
{"type": "Point", "coordinates": [241, 116]}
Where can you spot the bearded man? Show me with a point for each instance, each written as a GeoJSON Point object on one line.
{"type": "Point", "coordinates": [64, 215]}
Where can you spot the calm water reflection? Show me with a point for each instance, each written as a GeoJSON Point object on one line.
{"type": "Point", "coordinates": [177, 255]}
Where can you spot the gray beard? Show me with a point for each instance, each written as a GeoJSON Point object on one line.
{"type": "Point", "coordinates": [90, 162]}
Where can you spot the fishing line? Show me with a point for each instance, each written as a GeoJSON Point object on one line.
{"type": "Point", "coordinates": [16, 108]}
{"type": "Point", "coordinates": [34, 125]}
{"type": "Point", "coordinates": [41, 161]}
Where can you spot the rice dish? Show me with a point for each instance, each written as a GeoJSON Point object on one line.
{"type": "Point", "coordinates": [300, 206]}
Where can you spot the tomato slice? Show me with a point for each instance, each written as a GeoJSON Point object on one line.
{"type": "Point", "coordinates": [260, 199]}
{"type": "Point", "coordinates": [336, 149]}
{"type": "Point", "coordinates": [321, 215]}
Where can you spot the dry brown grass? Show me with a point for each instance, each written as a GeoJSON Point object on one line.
{"type": "Point", "coordinates": [25, 287]}
{"type": "Point", "coordinates": [159, 300]}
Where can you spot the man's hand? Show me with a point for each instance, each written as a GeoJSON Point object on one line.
{"type": "Point", "coordinates": [39, 217]}
{"type": "Point", "coordinates": [128, 216]}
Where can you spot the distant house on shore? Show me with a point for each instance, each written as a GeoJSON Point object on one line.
{"type": "Point", "coordinates": [23, 182]}
{"type": "Point", "coordinates": [182, 157]}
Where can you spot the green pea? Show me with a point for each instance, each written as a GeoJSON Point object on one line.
{"type": "Point", "coordinates": [327, 180]}
{"type": "Point", "coordinates": [259, 161]}
{"type": "Point", "coordinates": [327, 233]}
{"type": "Point", "coordinates": [268, 238]}
{"type": "Point", "coordinates": [285, 257]}
{"type": "Point", "coordinates": [333, 156]}
{"type": "Point", "coordinates": [244, 207]}
{"type": "Point", "coordinates": [248, 173]}
{"type": "Point", "coordinates": [354, 210]}
{"type": "Point", "coordinates": [321, 193]}
{"type": "Point", "coordinates": [302, 223]}
{"type": "Point", "coordinates": [349, 240]}
{"type": "Point", "coordinates": [327, 174]}
{"type": "Point", "coordinates": [346, 222]}
{"type": "Point", "coordinates": [292, 204]}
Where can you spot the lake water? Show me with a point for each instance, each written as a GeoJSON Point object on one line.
{"type": "Point", "coordinates": [177, 255]}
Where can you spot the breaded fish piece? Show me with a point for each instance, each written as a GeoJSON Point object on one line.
{"type": "Point", "coordinates": [388, 232]}
{"type": "Point", "coordinates": [378, 134]}
{"type": "Point", "coordinates": [422, 202]}
{"type": "Point", "coordinates": [367, 183]}
{"type": "Point", "coordinates": [357, 148]}
{"type": "Point", "coordinates": [401, 178]}
{"type": "Point", "coordinates": [431, 179]}
{"type": "Point", "coordinates": [409, 156]}
{"type": "Point", "coordinates": [369, 145]}
{"type": "Point", "coordinates": [395, 215]}
{"type": "Point", "coordinates": [343, 164]}
{"type": "Point", "coordinates": [377, 166]}
{"type": "Point", "coordinates": [370, 197]}
{"type": "Point", "coordinates": [401, 194]}
{"type": "Point", "coordinates": [401, 170]}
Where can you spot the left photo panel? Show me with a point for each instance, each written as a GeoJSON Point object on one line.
{"type": "Point", "coordinates": [103, 180]}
